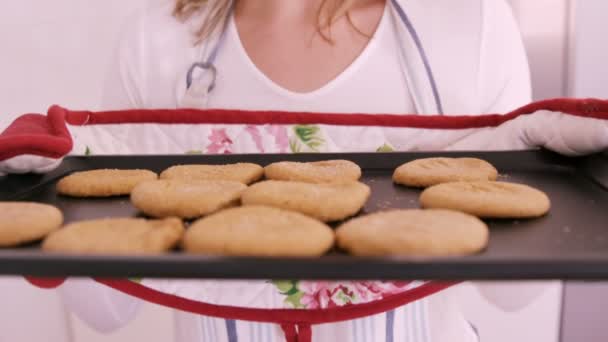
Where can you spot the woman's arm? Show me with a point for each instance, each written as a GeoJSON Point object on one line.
{"type": "Point", "coordinates": [100, 307]}
{"type": "Point", "coordinates": [504, 74]}
{"type": "Point", "coordinates": [123, 86]}
{"type": "Point", "coordinates": [504, 82]}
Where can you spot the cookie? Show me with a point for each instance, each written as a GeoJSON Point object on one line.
{"type": "Point", "coordinates": [185, 199]}
{"type": "Point", "coordinates": [23, 222]}
{"type": "Point", "coordinates": [103, 182]}
{"type": "Point", "coordinates": [245, 173]}
{"type": "Point", "coordinates": [432, 171]}
{"type": "Point", "coordinates": [116, 236]}
{"type": "Point", "coordinates": [329, 171]}
{"type": "Point", "coordinates": [258, 231]}
{"type": "Point", "coordinates": [413, 232]}
{"type": "Point", "coordinates": [325, 202]}
{"type": "Point", "coordinates": [488, 199]}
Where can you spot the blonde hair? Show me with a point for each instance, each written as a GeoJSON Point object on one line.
{"type": "Point", "coordinates": [217, 10]}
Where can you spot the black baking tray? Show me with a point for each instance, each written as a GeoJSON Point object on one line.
{"type": "Point", "coordinates": [571, 242]}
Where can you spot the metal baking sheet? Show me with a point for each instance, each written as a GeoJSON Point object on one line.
{"type": "Point", "coordinates": [569, 243]}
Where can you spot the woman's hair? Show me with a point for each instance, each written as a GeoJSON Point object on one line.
{"type": "Point", "coordinates": [217, 10]}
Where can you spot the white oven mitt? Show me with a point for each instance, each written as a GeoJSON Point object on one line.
{"type": "Point", "coordinates": [28, 164]}
{"type": "Point", "coordinates": [559, 132]}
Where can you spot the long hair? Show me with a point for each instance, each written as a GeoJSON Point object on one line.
{"type": "Point", "coordinates": [329, 12]}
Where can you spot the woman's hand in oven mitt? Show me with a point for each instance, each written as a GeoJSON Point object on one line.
{"type": "Point", "coordinates": [566, 134]}
{"type": "Point", "coordinates": [569, 127]}
{"type": "Point", "coordinates": [28, 164]}
{"type": "Point", "coordinates": [572, 130]}
{"type": "Point", "coordinates": [34, 143]}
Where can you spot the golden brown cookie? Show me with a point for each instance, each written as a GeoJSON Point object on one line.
{"type": "Point", "coordinates": [22, 222]}
{"type": "Point", "coordinates": [431, 171]}
{"type": "Point", "coordinates": [413, 232]}
{"type": "Point", "coordinates": [258, 231]}
{"type": "Point", "coordinates": [185, 199]}
{"type": "Point", "coordinates": [103, 182]}
{"type": "Point", "coordinates": [328, 171]}
{"type": "Point", "coordinates": [488, 199]}
{"type": "Point", "coordinates": [325, 202]}
{"type": "Point", "coordinates": [116, 236]}
{"type": "Point", "coordinates": [245, 173]}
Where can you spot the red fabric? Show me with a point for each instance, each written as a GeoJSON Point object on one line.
{"type": "Point", "coordinates": [45, 283]}
{"type": "Point", "coordinates": [279, 316]}
{"type": "Point", "coordinates": [45, 136]}
{"type": "Point", "coordinates": [297, 333]}
{"type": "Point", "coordinates": [48, 136]}
{"type": "Point", "coordinates": [591, 108]}
{"type": "Point", "coordinates": [291, 334]}
{"type": "Point", "coordinates": [288, 318]}
{"type": "Point", "coordinates": [304, 333]}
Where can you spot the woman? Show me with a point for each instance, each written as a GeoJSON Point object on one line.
{"type": "Point", "coordinates": [338, 56]}
{"type": "Point", "coordinates": [325, 56]}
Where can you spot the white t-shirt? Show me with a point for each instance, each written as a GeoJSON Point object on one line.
{"type": "Point", "coordinates": [373, 83]}
{"type": "Point", "coordinates": [479, 63]}
{"type": "Point", "coordinates": [473, 46]}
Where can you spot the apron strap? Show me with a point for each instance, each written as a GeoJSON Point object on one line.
{"type": "Point", "coordinates": [200, 85]}
{"type": "Point", "coordinates": [297, 332]}
{"type": "Point", "coordinates": [423, 56]}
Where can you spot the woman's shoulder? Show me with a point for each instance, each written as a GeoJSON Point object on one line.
{"type": "Point", "coordinates": [458, 6]}
{"type": "Point", "coordinates": [481, 38]}
{"type": "Point", "coordinates": [154, 48]}
{"type": "Point", "coordinates": [155, 23]}
{"type": "Point", "coordinates": [469, 14]}
{"type": "Point", "coordinates": [459, 26]}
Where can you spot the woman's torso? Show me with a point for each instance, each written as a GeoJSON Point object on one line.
{"type": "Point", "coordinates": [376, 82]}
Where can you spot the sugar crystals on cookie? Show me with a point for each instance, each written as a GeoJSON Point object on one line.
{"type": "Point", "coordinates": [327, 171]}
{"type": "Point", "coordinates": [431, 171]}
{"type": "Point", "coordinates": [103, 182]}
{"type": "Point", "coordinates": [23, 222]}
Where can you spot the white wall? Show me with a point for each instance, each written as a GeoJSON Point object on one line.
{"type": "Point", "coordinates": [589, 54]}
{"type": "Point", "coordinates": [23, 307]}
{"type": "Point", "coordinates": [56, 52]}
{"type": "Point", "coordinates": [585, 303]}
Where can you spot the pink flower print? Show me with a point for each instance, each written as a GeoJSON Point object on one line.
{"type": "Point", "coordinates": [324, 294]}
{"type": "Point", "coordinates": [393, 287]}
{"type": "Point", "coordinates": [316, 294]}
{"type": "Point", "coordinates": [365, 292]}
{"type": "Point", "coordinates": [341, 295]}
{"type": "Point", "coordinates": [281, 140]}
{"type": "Point", "coordinates": [372, 290]}
{"type": "Point", "coordinates": [256, 136]}
{"type": "Point", "coordinates": [220, 142]}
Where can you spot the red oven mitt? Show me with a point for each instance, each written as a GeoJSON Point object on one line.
{"type": "Point", "coordinates": [34, 143]}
